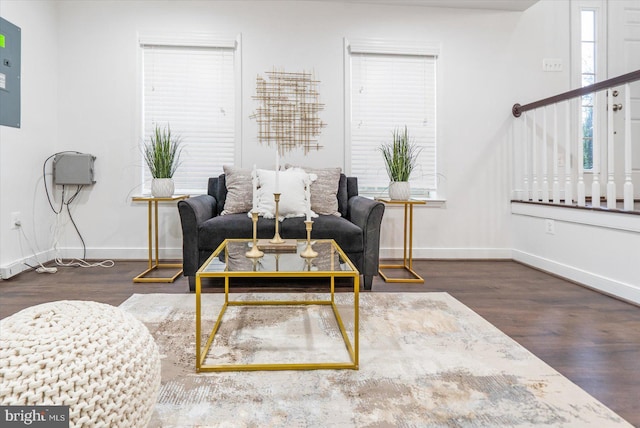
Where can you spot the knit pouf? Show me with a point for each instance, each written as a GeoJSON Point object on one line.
{"type": "Point", "coordinates": [95, 358]}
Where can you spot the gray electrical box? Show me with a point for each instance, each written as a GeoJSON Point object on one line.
{"type": "Point", "coordinates": [73, 168]}
{"type": "Point", "coordinates": [10, 58]}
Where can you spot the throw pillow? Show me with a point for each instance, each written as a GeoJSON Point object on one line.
{"type": "Point", "coordinates": [324, 190]}
{"type": "Point", "coordinates": [239, 190]}
{"type": "Point", "coordinates": [292, 185]}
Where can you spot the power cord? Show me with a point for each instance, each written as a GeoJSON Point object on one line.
{"type": "Point", "coordinates": [41, 268]}
{"type": "Point", "coordinates": [74, 261]}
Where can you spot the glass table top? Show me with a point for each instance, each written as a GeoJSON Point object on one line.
{"type": "Point", "coordinates": [230, 257]}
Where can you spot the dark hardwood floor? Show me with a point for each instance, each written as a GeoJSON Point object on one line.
{"type": "Point", "coordinates": [592, 339]}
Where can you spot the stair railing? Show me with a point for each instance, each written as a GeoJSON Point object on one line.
{"type": "Point", "coordinates": [536, 133]}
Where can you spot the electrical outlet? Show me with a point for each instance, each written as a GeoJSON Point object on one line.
{"type": "Point", "coordinates": [15, 220]}
{"type": "Point", "coordinates": [560, 160]}
{"type": "Point", "coordinates": [550, 226]}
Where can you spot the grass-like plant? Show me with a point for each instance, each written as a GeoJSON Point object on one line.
{"type": "Point", "coordinates": [400, 156]}
{"type": "Point", "coordinates": [162, 153]}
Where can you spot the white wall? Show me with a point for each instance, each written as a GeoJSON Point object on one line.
{"type": "Point", "coordinates": [489, 60]}
{"type": "Point", "coordinates": [594, 248]}
{"type": "Point", "coordinates": [23, 150]}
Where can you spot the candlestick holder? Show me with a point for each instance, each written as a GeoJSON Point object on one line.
{"type": "Point", "coordinates": [254, 252]}
{"type": "Point", "coordinates": [308, 252]}
{"type": "Point", "coordinates": [309, 263]}
{"type": "Point", "coordinates": [276, 237]}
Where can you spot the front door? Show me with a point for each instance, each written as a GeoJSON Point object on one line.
{"type": "Point", "coordinates": [623, 56]}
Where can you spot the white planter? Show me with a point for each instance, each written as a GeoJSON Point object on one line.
{"type": "Point", "coordinates": [399, 190]}
{"type": "Point", "coordinates": [162, 187]}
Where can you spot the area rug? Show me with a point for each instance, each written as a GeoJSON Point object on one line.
{"type": "Point", "coordinates": [426, 360]}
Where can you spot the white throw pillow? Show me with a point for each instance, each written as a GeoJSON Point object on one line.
{"type": "Point", "coordinates": [292, 186]}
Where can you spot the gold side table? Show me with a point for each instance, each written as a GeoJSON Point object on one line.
{"type": "Point", "coordinates": [407, 259]}
{"type": "Point", "coordinates": [154, 264]}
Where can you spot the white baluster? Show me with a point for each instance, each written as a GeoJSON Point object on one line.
{"type": "Point", "coordinates": [628, 184]}
{"type": "Point", "coordinates": [595, 171]}
{"type": "Point", "coordinates": [516, 188]}
{"type": "Point", "coordinates": [525, 172]}
{"type": "Point", "coordinates": [580, 161]}
{"type": "Point", "coordinates": [545, 158]}
{"type": "Point", "coordinates": [568, 185]}
{"type": "Point", "coordinates": [556, 184]}
{"type": "Point", "coordinates": [534, 164]}
{"type": "Point", "coordinates": [516, 169]}
{"type": "Point", "coordinates": [611, 185]}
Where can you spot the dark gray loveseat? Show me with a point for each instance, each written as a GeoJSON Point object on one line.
{"type": "Point", "coordinates": [357, 231]}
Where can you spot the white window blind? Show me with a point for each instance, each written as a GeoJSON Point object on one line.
{"type": "Point", "coordinates": [389, 91]}
{"type": "Point", "coordinates": [192, 89]}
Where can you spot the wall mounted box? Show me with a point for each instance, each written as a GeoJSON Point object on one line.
{"type": "Point", "coordinates": [73, 168]}
{"type": "Point", "coordinates": [10, 60]}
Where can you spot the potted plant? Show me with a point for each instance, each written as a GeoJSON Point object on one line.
{"type": "Point", "coordinates": [400, 157]}
{"type": "Point", "coordinates": [162, 155]}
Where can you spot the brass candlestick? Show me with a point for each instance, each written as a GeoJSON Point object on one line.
{"type": "Point", "coordinates": [309, 264]}
{"type": "Point", "coordinates": [308, 252]}
{"type": "Point", "coordinates": [254, 252]}
{"type": "Point", "coordinates": [276, 237]}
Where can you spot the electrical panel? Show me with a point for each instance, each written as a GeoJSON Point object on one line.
{"type": "Point", "coordinates": [10, 59]}
{"type": "Point", "coordinates": [73, 168]}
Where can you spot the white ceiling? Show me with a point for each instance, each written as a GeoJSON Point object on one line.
{"type": "Point", "coordinates": [515, 5]}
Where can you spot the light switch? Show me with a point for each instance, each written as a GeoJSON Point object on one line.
{"type": "Point", "coordinates": [552, 64]}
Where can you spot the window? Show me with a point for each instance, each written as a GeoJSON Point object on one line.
{"type": "Point", "coordinates": [588, 73]}
{"type": "Point", "coordinates": [390, 85]}
{"type": "Point", "coordinates": [189, 85]}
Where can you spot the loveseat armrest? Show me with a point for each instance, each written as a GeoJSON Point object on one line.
{"type": "Point", "coordinates": [367, 214]}
{"type": "Point", "coordinates": [193, 212]}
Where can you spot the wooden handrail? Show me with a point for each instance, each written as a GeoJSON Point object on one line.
{"type": "Point", "coordinates": [517, 109]}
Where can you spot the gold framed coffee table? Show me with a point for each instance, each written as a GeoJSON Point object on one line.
{"type": "Point", "coordinates": [229, 261]}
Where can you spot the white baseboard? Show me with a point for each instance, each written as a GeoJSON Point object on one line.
{"type": "Point", "coordinates": [449, 253]}
{"type": "Point", "coordinates": [605, 285]}
{"type": "Point", "coordinates": [600, 283]}
{"type": "Point", "coordinates": [14, 268]}
{"type": "Point", "coordinates": [176, 253]}
{"type": "Point", "coordinates": [124, 253]}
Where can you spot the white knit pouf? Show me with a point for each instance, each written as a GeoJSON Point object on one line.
{"type": "Point", "coordinates": [93, 357]}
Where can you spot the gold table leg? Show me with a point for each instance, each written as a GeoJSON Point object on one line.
{"type": "Point", "coordinates": [152, 226]}
{"type": "Point", "coordinates": [407, 261]}
{"type": "Point", "coordinates": [352, 349]}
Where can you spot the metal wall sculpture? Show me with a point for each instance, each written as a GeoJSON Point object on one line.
{"type": "Point", "coordinates": [288, 113]}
